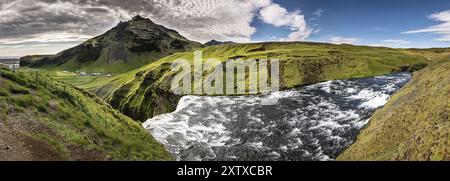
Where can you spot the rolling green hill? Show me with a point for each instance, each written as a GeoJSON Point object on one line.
{"type": "Point", "coordinates": [412, 126]}
{"type": "Point", "coordinates": [144, 92]}
{"type": "Point", "coordinates": [415, 123]}
{"type": "Point", "coordinates": [44, 119]}
{"type": "Point", "coordinates": [127, 46]}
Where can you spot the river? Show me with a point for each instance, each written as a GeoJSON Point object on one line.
{"type": "Point", "coordinates": [313, 122]}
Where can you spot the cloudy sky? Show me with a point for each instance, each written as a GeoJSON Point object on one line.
{"type": "Point", "coordinates": [49, 26]}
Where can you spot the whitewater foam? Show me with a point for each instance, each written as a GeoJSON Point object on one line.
{"type": "Point", "coordinates": [309, 123]}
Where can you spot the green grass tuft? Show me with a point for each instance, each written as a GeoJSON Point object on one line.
{"type": "Point", "coordinates": [3, 92]}
{"type": "Point", "coordinates": [17, 89]}
{"type": "Point", "coordinates": [75, 120]}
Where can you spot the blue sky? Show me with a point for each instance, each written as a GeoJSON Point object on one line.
{"type": "Point", "coordinates": [48, 27]}
{"type": "Point", "coordinates": [368, 21]}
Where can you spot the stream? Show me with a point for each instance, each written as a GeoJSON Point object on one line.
{"type": "Point", "coordinates": [314, 122]}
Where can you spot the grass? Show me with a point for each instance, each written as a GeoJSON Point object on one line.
{"type": "Point", "coordinates": [102, 65]}
{"type": "Point", "coordinates": [54, 142]}
{"type": "Point", "coordinates": [357, 61]}
{"type": "Point", "coordinates": [76, 118]}
{"type": "Point", "coordinates": [414, 124]}
{"type": "Point", "coordinates": [83, 82]}
{"type": "Point", "coordinates": [136, 93]}
{"type": "Point", "coordinates": [4, 92]}
{"type": "Point", "coordinates": [17, 89]}
{"type": "Point", "coordinates": [145, 92]}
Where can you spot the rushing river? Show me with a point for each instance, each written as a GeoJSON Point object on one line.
{"type": "Point", "coordinates": [308, 123]}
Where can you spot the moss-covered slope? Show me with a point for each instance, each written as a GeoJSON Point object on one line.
{"type": "Point", "coordinates": [414, 124]}
{"type": "Point", "coordinates": [50, 120]}
{"type": "Point", "coordinates": [144, 93]}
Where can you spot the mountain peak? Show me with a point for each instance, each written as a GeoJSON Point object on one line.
{"type": "Point", "coordinates": [138, 17]}
{"type": "Point", "coordinates": [215, 42]}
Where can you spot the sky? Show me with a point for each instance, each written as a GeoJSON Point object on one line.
{"type": "Point", "coordinates": [49, 26]}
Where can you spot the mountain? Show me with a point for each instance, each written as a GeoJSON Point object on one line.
{"type": "Point", "coordinates": [31, 60]}
{"type": "Point", "coordinates": [145, 92]}
{"type": "Point", "coordinates": [215, 42]}
{"type": "Point", "coordinates": [127, 46]}
{"type": "Point", "coordinates": [44, 119]}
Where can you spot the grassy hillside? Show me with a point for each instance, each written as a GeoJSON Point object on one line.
{"type": "Point", "coordinates": [414, 124]}
{"type": "Point", "coordinates": [43, 119]}
{"type": "Point", "coordinates": [32, 59]}
{"type": "Point", "coordinates": [144, 92]}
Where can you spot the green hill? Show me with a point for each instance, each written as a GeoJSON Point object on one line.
{"type": "Point", "coordinates": [412, 126]}
{"type": "Point", "coordinates": [33, 60]}
{"type": "Point", "coordinates": [144, 93]}
{"type": "Point", "coordinates": [415, 123]}
{"type": "Point", "coordinates": [127, 46]}
{"type": "Point", "coordinates": [43, 119]}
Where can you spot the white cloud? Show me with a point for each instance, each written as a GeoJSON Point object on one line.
{"type": "Point", "coordinates": [203, 20]}
{"type": "Point", "coordinates": [379, 29]}
{"type": "Point", "coordinates": [396, 41]}
{"type": "Point", "coordinates": [51, 22]}
{"type": "Point", "coordinates": [342, 40]}
{"type": "Point", "coordinates": [443, 29]}
{"type": "Point", "coordinates": [46, 38]}
{"type": "Point", "coordinates": [199, 20]}
{"type": "Point", "coordinates": [25, 21]}
{"type": "Point", "coordinates": [278, 16]}
{"type": "Point", "coordinates": [318, 12]}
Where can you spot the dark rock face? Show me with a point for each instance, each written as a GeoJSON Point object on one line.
{"type": "Point", "coordinates": [32, 59]}
{"type": "Point", "coordinates": [410, 68]}
{"type": "Point", "coordinates": [149, 100]}
{"type": "Point", "coordinates": [121, 45]}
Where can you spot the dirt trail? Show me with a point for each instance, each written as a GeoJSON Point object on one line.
{"type": "Point", "coordinates": [16, 146]}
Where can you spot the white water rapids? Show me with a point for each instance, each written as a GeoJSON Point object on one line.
{"type": "Point", "coordinates": [308, 123]}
